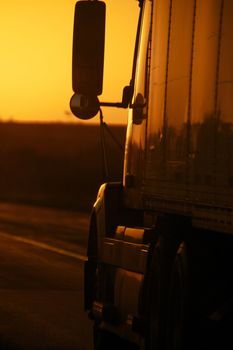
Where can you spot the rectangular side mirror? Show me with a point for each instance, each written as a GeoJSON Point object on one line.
{"type": "Point", "coordinates": [88, 47]}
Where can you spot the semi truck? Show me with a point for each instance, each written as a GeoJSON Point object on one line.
{"type": "Point", "coordinates": [159, 270]}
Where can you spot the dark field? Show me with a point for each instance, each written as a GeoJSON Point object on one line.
{"type": "Point", "coordinates": [57, 165]}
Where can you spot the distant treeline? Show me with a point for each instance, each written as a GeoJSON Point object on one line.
{"type": "Point", "coordinates": [59, 165]}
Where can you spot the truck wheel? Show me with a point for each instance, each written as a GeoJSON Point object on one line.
{"type": "Point", "coordinates": [180, 316]}
{"type": "Point", "coordinates": [158, 275]}
{"type": "Point", "coordinates": [153, 331]}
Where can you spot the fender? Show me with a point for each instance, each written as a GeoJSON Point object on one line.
{"type": "Point", "coordinates": [103, 221]}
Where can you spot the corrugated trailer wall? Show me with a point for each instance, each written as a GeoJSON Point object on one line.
{"type": "Point", "coordinates": [190, 120]}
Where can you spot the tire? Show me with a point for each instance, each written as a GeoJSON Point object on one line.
{"type": "Point", "coordinates": [154, 325]}
{"type": "Point", "coordinates": [178, 319]}
{"type": "Point", "coordinates": [159, 273]}
{"type": "Point", "coordinates": [171, 230]}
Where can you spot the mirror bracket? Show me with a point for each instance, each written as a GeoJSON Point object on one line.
{"type": "Point", "coordinates": [126, 99]}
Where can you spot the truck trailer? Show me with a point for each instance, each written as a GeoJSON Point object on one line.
{"type": "Point", "coordinates": [159, 274]}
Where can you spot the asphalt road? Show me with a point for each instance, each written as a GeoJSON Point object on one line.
{"type": "Point", "coordinates": [41, 279]}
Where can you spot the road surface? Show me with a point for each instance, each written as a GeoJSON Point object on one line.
{"type": "Point", "coordinates": [41, 279]}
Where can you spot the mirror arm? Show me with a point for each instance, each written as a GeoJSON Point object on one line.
{"type": "Point", "coordinates": [113, 104]}
{"type": "Point", "coordinates": [126, 99]}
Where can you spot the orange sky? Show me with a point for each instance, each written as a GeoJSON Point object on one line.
{"type": "Point", "coordinates": [35, 62]}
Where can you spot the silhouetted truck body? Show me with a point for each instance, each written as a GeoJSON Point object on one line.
{"type": "Point", "coordinates": [160, 259]}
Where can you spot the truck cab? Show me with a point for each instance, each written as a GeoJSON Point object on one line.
{"type": "Point", "coordinates": [159, 270]}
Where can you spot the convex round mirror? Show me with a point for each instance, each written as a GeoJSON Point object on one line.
{"type": "Point", "coordinates": [84, 107]}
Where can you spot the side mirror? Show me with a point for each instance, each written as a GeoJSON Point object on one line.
{"type": "Point", "coordinates": [88, 54]}
{"type": "Point", "coordinates": [83, 106]}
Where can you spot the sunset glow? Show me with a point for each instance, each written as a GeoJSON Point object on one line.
{"type": "Point", "coordinates": [36, 50]}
